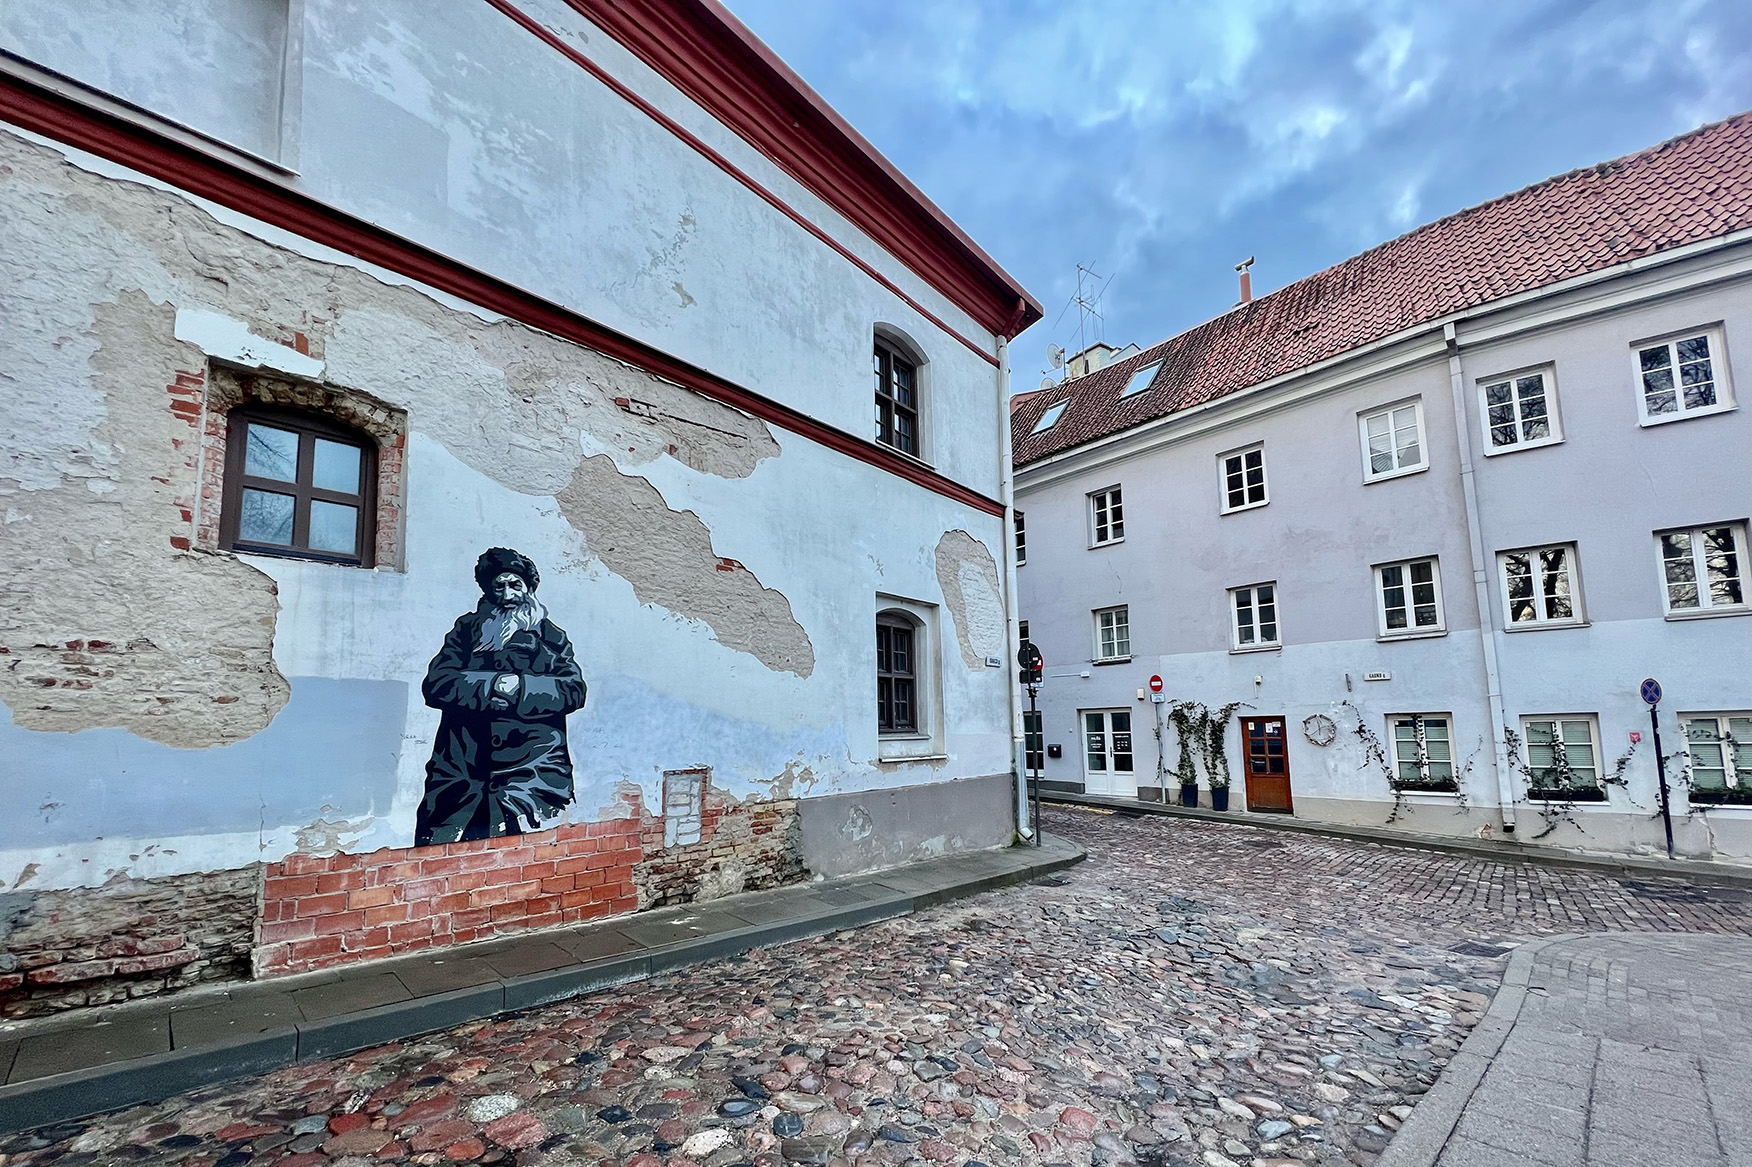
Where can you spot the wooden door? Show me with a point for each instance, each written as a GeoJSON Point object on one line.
{"type": "Point", "coordinates": [1107, 753]}
{"type": "Point", "coordinates": [1266, 762]}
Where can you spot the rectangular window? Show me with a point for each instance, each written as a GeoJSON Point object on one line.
{"type": "Point", "coordinates": [897, 401]}
{"type": "Point", "coordinates": [1106, 517]}
{"type": "Point", "coordinates": [1704, 569]}
{"type": "Point", "coordinates": [1243, 479]}
{"type": "Point", "coordinates": [1423, 751]}
{"type": "Point", "coordinates": [1539, 586]}
{"type": "Point", "coordinates": [1410, 595]}
{"type": "Point", "coordinates": [1033, 741]}
{"type": "Point", "coordinates": [684, 793]}
{"type": "Point", "coordinates": [1107, 741]}
{"type": "Point", "coordinates": [1520, 411]}
{"type": "Point", "coordinates": [1141, 379]}
{"type": "Point", "coordinates": [1563, 757]}
{"type": "Point", "coordinates": [1720, 750]}
{"type": "Point", "coordinates": [1112, 634]}
{"type": "Point", "coordinates": [1021, 537]}
{"type": "Point", "coordinates": [1254, 615]}
{"type": "Point", "coordinates": [1050, 417]}
{"type": "Point", "coordinates": [1682, 377]}
{"type": "Point", "coordinates": [300, 486]}
{"type": "Point", "coordinates": [896, 676]}
{"type": "Point", "coordinates": [1393, 441]}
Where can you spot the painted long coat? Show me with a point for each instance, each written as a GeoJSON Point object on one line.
{"type": "Point", "coordinates": [498, 772]}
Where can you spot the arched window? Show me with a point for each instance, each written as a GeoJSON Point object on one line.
{"type": "Point", "coordinates": [897, 677]}
{"type": "Point", "coordinates": [300, 485]}
{"type": "Point", "coordinates": [902, 408]}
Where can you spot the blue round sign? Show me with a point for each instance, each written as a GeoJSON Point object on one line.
{"type": "Point", "coordinates": [1651, 691]}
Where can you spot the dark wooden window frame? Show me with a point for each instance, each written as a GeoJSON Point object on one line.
{"type": "Point", "coordinates": [891, 682]}
{"type": "Point", "coordinates": [309, 427]}
{"type": "Point", "coordinates": [889, 406]}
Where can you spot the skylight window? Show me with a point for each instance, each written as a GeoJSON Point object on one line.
{"type": "Point", "coordinates": [1141, 379]}
{"type": "Point", "coordinates": [1050, 417]}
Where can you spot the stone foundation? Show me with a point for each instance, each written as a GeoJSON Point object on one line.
{"type": "Point", "coordinates": [69, 948]}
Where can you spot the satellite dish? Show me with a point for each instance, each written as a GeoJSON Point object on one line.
{"type": "Point", "coordinates": [1047, 382]}
{"type": "Point", "coordinates": [1055, 356]}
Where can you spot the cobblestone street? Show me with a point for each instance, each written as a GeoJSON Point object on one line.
{"type": "Point", "coordinates": [1194, 993]}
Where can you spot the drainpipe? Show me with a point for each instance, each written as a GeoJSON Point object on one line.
{"type": "Point", "coordinates": [1012, 617]}
{"type": "Point", "coordinates": [1481, 582]}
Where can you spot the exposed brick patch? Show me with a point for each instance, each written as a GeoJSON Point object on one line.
{"type": "Point", "coordinates": [68, 948]}
{"type": "Point", "coordinates": [742, 847]}
{"type": "Point", "coordinates": [321, 911]}
{"type": "Point", "coordinates": [226, 390]}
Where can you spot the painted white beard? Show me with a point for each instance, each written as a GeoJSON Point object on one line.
{"type": "Point", "coordinates": [504, 623]}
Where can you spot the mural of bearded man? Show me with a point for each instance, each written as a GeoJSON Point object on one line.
{"type": "Point", "coordinates": [504, 681]}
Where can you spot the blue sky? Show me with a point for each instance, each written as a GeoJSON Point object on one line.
{"type": "Point", "coordinates": [1163, 141]}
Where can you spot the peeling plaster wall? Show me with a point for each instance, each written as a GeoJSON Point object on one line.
{"type": "Point", "coordinates": [717, 578]}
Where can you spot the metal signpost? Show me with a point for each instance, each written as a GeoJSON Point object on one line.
{"type": "Point", "coordinates": [1651, 693]}
{"type": "Point", "coordinates": [1161, 753]}
{"type": "Point", "coordinates": [1032, 666]}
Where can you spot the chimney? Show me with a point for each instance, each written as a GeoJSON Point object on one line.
{"type": "Point", "coordinates": [1246, 279]}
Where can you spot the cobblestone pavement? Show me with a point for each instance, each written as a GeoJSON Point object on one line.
{"type": "Point", "coordinates": [1627, 1051]}
{"type": "Point", "coordinates": [1195, 994]}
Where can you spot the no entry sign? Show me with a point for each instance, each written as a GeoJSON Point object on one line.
{"type": "Point", "coordinates": [1155, 684]}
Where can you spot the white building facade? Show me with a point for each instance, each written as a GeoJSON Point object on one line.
{"type": "Point", "coordinates": [304, 307]}
{"type": "Point", "coordinates": [1408, 535]}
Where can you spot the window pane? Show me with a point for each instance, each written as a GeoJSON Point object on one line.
{"type": "Point", "coordinates": [1722, 563]}
{"type": "Point", "coordinates": [1695, 348]}
{"type": "Point", "coordinates": [265, 518]}
{"type": "Point", "coordinates": [1554, 566]}
{"type": "Point", "coordinates": [271, 453]}
{"type": "Point", "coordinates": [1497, 394]}
{"type": "Point", "coordinates": [1681, 571]}
{"type": "Point", "coordinates": [1267, 605]}
{"type": "Point", "coordinates": [1658, 391]}
{"type": "Point", "coordinates": [1380, 443]}
{"type": "Point", "coordinates": [334, 527]}
{"type": "Point", "coordinates": [1656, 358]}
{"type": "Point", "coordinates": [1518, 578]}
{"type": "Point", "coordinates": [1393, 595]}
{"type": "Point", "coordinates": [336, 466]}
{"type": "Point", "coordinates": [1699, 385]}
{"type": "Point", "coordinates": [1740, 748]}
{"type": "Point", "coordinates": [1243, 616]}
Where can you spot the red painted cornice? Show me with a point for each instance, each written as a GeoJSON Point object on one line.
{"type": "Point", "coordinates": [704, 51]}
{"type": "Point", "coordinates": [263, 197]}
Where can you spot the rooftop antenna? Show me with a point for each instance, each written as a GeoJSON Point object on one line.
{"type": "Point", "coordinates": [1090, 325]}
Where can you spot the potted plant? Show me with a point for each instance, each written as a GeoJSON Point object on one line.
{"type": "Point", "coordinates": [1216, 724]}
{"type": "Point", "coordinates": [1181, 716]}
{"type": "Point", "coordinates": [1220, 794]}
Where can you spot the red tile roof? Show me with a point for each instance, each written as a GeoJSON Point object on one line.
{"type": "Point", "coordinates": [1697, 186]}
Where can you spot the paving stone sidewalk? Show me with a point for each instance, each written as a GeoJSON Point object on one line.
{"type": "Point", "coordinates": [1601, 1051]}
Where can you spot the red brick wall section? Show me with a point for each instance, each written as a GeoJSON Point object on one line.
{"type": "Point", "coordinates": [742, 847]}
{"type": "Point", "coordinates": [321, 911]}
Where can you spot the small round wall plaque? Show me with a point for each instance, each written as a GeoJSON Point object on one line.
{"type": "Point", "coordinates": [1320, 729]}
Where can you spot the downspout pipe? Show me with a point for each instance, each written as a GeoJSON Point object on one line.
{"type": "Point", "coordinates": [1481, 583]}
{"type": "Point", "coordinates": [1012, 615]}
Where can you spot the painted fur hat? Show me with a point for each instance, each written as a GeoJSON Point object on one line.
{"type": "Point", "coordinates": [496, 561]}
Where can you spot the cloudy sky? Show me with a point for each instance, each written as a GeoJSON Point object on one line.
{"type": "Point", "coordinates": [1162, 141]}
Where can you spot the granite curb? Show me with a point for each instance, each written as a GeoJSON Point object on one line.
{"type": "Point", "coordinates": [1420, 1142]}
{"type": "Point", "coordinates": [1630, 866]}
{"type": "Point", "coordinates": [127, 1081]}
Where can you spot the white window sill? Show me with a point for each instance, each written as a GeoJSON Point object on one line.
{"type": "Point", "coordinates": [1687, 415]}
{"type": "Point", "coordinates": [1432, 795]}
{"type": "Point", "coordinates": [1547, 625]}
{"type": "Point", "coordinates": [1251, 506]}
{"type": "Point", "coordinates": [1242, 651]}
{"type": "Point", "coordinates": [1710, 613]}
{"type": "Point", "coordinates": [1431, 634]}
{"type": "Point", "coordinates": [1108, 543]}
{"type": "Point", "coordinates": [897, 759]}
{"type": "Point", "coordinates": [1111, 660]}
{"type": "Point", "coordinates": [1409, 470]}
{"type": "Point", "coordinates": [913, 458]}
{"type": "Point", "coordinates": [1496, 451]}
{"type": "Point", "coordinates": [1737, 808]}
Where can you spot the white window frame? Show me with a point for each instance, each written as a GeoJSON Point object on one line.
{"type": "Point", "coordinates": [1538, 575]}
{"type": "Point", "coordinates": [1706, 606]}
{"type": "Point", "coordinates": [1419, 745]}
{"type": "Point", "coordinates": [1735, 775]}
{"type": "Point", "coordinates": [1140, 380]}
{"type": "Point", "coordinates": [1592, 721]}
{"type": "Point", "coordinates": [1223, 503]}
{"type": "Point", "coordinates": [1513, 378]}
{"type": "Point", "coordinates": [1120, 621]}
{"type": "Point", "coordinates": [1423, 440]}
{"type": "Point", "coordinates": [926, 740]}
{"type": "Point", "coordinates": [1719, 369]}
{"type": "Point", "coordinates": [1413, 630]}
{"type": "Point", "coordinates": [1051, 417]}
{"type": "Point", "coordinates": [1019, 534]}
{"type": "Point", "coordinates": [1101, 503]}
{"type": "Point", "coordinates": [1250, 593]}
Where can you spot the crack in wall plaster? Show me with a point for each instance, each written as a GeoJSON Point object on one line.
{"type": "Point", "coordinates": [667, 557]}
{"type": "Point", "coordinates": [92, 270]}
{"type": "Point", "coordinates": [968, 575]}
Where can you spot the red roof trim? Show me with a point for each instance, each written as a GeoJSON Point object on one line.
{"type": "Point", "coordinates": [704, 51]}
{"type": "Point", "coordinates": [1688, 190]}
{"type": "Point", "coordinates": [728, 167]}
{"type": "Point", "coordinates": [199, 173]}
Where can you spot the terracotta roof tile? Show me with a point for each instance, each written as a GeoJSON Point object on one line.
{"type": "Point", "coordinates": [1697, 186]}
